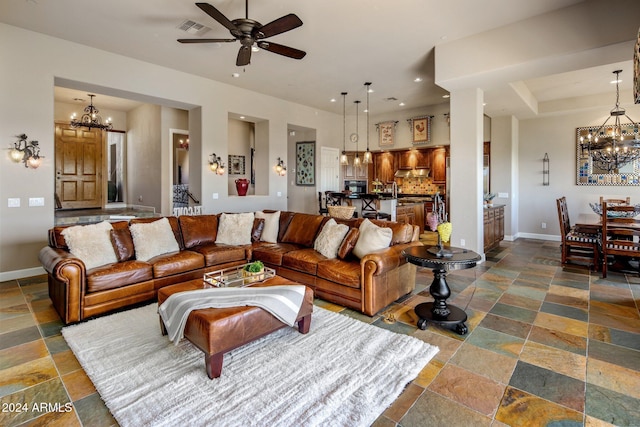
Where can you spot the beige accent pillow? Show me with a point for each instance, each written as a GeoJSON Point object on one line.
{"type": "Point", "coordinates": [153, 238]}
{"type": "Point", "coordinates": [271, 226]}
{"type": "Point", "coordinates": [330, 237]}
{"type": "Point", "coordinates": [372, 238]}
{"type": "Point", "coordinates": [91, 243]}
{"type": "Point", "coordinates": [235, 229]}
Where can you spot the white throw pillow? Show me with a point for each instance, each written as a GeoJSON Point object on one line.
{"type": "Point", "coordinates": [271, 226]}
{"type": "Point", "coordinates": [235, 229]}
{"type": "Point", "coordinates": [153, 238]}
{"type": "Point", "coordinates": [330, 237]}
{"type": "Point", "coordinates": [372, 238]}
{"type": "Point", "coordinates": [91, 243]}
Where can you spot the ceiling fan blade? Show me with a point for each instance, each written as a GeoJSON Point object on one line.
{"type": "Point", "coordinates": [280, 25]}
{"type": "Point", "coordinates": [244, 56]}
{"type": "Point", "coordinates": [282, 50]}
{"type": "Point", "coordinates": [206, 40]}
{"type": "Point", "coordinates": [218, 16]}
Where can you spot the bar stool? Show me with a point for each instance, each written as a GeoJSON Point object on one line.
{"type": "Point", "coordinates": [370, 205]}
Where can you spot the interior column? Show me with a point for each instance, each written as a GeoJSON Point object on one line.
{"type": "Point", "coordinates": [466, 214]}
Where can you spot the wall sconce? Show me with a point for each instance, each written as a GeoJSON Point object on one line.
{"type": "Point", "coordinates": [280, 168]}
{"type": "Point", "coordinates": [29, 154]}
{"type": "Point", "coordinates": [216, 165]}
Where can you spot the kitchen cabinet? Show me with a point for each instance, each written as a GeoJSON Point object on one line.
{"type": "Point", "coordinates": [439, 165]}
{"type": "Point", "coordinates": [414, 159]}
{"type": "Point", "coordinates": [493, 226]}
{"type": "Point", "coordinates": [384, 166]}
{"type": "Point", "coordinates": [412, 213]}
{"type": "Point", "coordinates": [351, 172]}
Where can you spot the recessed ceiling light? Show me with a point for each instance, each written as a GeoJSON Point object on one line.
{"type": "Point", "coordinates": [401, 104]}
{"type": "Point", "coordinates": [242, 117]}
{"type": "Point", "coordinates": [417, 79]}
{"type": "Point", "coordinates": [235, 75]}
{"type": "Point", "coordinates": [446, 96]}
{"type": "Point", "coordinates": [333, 100]}
{"type": "Point", "coordinates": [370, 90]}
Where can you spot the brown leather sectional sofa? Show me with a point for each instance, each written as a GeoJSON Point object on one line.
{"type": "Point", "coordinates": [367, 285]}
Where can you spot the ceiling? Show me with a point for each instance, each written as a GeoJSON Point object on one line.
{"type": "Point", "coordinates": [347, 42]}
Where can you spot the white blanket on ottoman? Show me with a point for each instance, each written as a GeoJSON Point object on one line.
{"type": "Point", "coordinates": [283, 302]}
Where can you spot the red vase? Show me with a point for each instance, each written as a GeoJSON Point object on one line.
{"type": "Point", "coordinates": [242, 185]}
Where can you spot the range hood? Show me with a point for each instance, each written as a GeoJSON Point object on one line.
{"type": "Point", "coordinates": [413, 173]}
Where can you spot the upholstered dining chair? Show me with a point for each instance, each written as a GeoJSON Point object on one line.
{"type": "Point", "coordinates": [626, 201]}
{"type": "Point", "coordinates": [370, 206]}
{"type": "Point", "coordinates": [620, 235]}
{"type": "Point", "coordinates": [580, 247]}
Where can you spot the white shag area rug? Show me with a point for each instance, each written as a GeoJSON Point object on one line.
{"type": "Point", "coordinates": [342, 373]}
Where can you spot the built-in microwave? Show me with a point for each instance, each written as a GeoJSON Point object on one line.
{"type": "Point", "coordinates": [356, 186]}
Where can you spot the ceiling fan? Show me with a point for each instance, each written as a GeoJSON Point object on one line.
{"type": "Point", "coordinates": [251, 32]}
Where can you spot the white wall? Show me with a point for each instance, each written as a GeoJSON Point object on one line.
{"type": "Point", "coordinates": [557, 136]}
{"type": "Point", "coordinates": [27, 106]}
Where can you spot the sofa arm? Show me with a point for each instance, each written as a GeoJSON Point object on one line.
{"type": "Point", "coordinates": [67, 276]}
{"type": "Point", "coordinates": [383, 260]}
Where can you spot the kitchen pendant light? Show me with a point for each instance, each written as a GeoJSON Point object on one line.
{"type": "Point", "coordinates": [366, 158]}
{"type": "Point", "coordinates": [356, 160]}
{"type": "Point", "coordinates": [344, 160]}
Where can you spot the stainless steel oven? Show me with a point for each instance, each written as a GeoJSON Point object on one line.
{"type": "Point", "coordinates": [356, 186]}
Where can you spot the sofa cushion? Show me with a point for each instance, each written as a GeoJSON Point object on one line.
{"type": "Point", "coordinates": [272, 253]}
{"type": "Point", "coordinates": [198, 229]}
{"type": "Point", "coordinates": [348, 243]}
{"type": "Point", "coordinates": [122, 243]}
{"type": "Point", "coordinates": [153, 239]}
{"type": "Point", "coordinates": [173, 222]}
{"type": "Point", "coordinates": [285, 220]}
{"type": "Point", "coordinates": [235, 229]}
{"type": "Point", "coordinates": [401, 233]}
{"type": "Point", "coordinates": [91, 243]}
{"type": "Point", "coordinates": [176, 262]}
{"type": "Point", "coordinates": [118, 275]}
{"type": "Point", "coordinates": [330, 238]}
{"type": "Point", "coordinates": [305, 260]}
{"type": "Point", "coordinates": [302, 229]}
{"type": "Point", "coordinates": [258, 228]}
{"type": "Point", "coordinates": [346, 273]}
{"type": "Point", "coordinates": [372, 238]}
{"type": "Point", "coordinates": [215, 254]}
{"type": "Point", "coordinates": [271, 226]}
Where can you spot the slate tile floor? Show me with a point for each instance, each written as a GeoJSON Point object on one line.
{"type": "Point", "coordinates": [546, 346]}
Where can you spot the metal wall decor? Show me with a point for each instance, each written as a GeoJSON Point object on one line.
{"type": "Point", "coordinates": [306, 163]}
{"type": "Point", "coordinates": [386, 133]}
{"type": "Point", "coordinates": [420, 129]}
{"type": "Point", "coordinates": [545, 169]}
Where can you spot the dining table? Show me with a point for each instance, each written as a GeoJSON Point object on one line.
{"type": "Point", "coordinates": [592, 223]}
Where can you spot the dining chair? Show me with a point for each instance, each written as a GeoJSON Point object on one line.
{"type": "Point", "coordinates": [619, 201]}
{"type": "Point", "coordinates": [370, 206]}
{"type": "Point", "coordinates": [334, 198]}
{"type": "Point", "coordinates": [577, 246]}
{"type": "Point", "coordinates": [322, 204]}
{"type": "Point", "coordinates": [620, 236]}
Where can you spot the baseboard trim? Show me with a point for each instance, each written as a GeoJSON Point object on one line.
{"type": "Point", "coordinates": [21, 274]}
{"type": "Point", "coordinates": [548, 237]}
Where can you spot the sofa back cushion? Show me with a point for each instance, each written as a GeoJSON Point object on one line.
{"type": "Point", "coordinates": [348, 243]}
{"type": "Point", "coordinates": [285, 220]}
{"type": "Point", "coordinates": [198, 230]}
{"type": "Point", "coordinates": [402, 233]}
{"type": "Point", "coordinates": [122, 243]}
{"type": "Point", "coordinates": [302, 229]}
{"type": "Point", "coordinates": [56, 239]}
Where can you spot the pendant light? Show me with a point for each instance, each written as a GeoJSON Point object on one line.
{"type": "Point", "coordinates": [344, 160]}
{"type": "Point", "coordinates": [356, 160]}
{"type": "Point", "coordinates": [366, 158]}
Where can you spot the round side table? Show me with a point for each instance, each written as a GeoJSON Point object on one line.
{"type": "Point", "coordinates": [439, 311]}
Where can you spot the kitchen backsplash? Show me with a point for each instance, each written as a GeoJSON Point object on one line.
{"type": "Point", "coordinates": [418, 186]}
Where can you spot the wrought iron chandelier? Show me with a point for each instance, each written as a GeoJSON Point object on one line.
{"type": "Point", "coordinates": [91, 118]}
{"type": "Point", "coordinates": [613, 146]}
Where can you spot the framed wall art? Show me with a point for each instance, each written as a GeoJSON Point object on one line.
{"type": "Point", "coordinates": [306, 163]}
{"type": "Point", "coordinates": [420, 129]}
{"type": "Point", "coordinates": [236, 165]}
{"type": "Point", "coordinates": [636, 71]}
{"type": "Point", "coordinates": [386, 133]}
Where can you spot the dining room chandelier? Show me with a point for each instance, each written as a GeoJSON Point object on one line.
{"type": "Point", "coordinates": [612, 146]}
{"type": "Point", "coordinates": [91, 118]}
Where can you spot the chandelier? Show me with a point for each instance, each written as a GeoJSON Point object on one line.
{"type": "Point", "coordinates": [613, 146]}
{"type": "Point", "coordinates": [91, 118]}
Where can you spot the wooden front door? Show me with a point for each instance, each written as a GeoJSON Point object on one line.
{"type": "Point", "coordinates": [78, 155]}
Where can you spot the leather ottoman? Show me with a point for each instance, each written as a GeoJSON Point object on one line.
{"type": "Point", "coordinates": [216, 331]}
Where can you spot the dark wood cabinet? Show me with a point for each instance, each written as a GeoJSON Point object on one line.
{"type": "Point", "coordinates": [384, 166]}
{"type": "Point", "coordinates": [414, 159]}
{"type": "Point", "coordinates": [411, 214]}
{"type": "Point", "coordinates": [493, 226]}
{"type": "Point", "coordinates": [439, 165]}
